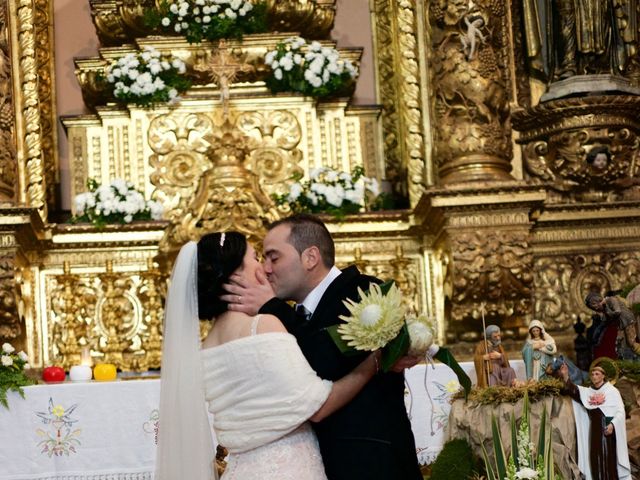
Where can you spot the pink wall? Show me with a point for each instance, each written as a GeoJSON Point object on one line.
{"type": "Point", "coordinates": [75, 37]}
{"type": "Point", "coordinates": [352, 28]}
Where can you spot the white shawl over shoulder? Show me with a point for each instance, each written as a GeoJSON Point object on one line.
{"type": "Point", "coordinates": [259, 388]}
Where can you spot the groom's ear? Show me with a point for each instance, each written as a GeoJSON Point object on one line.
{"type": "Point", "coordinates": [311, 258]}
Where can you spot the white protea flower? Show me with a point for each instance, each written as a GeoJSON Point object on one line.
{"type": "Point", "coordinates": [375, 328]}
{"type": "Point", "coordinates": [8, 348]}
{"type": "Point", "coordinates": [6, 360]}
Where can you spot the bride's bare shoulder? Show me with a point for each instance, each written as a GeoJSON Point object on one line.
{"type": "Point", "coordinates": [229, 326]}
{"type": "Point", "coordinates": [270, 323]}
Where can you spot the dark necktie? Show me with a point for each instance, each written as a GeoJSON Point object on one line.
{"type": "Point", "coordinates": [302, 314]}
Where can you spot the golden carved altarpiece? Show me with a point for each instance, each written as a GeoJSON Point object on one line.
{"type": "Point", "coordinates": [501, 205]}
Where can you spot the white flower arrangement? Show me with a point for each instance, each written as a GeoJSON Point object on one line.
{"type": "Point", "coordinates": [12, 376]}
{"type": "Point", "coordinates": [210, 19]}
{"type": "Point", "coordinates": [526, 460]}
{"type": "Point", "coordinates": [145, 77]}
{"type": "Point", "coordinates": [308, 68]}
{"type": "Point", "coordinates": [331, 191]}
{"type": "Point", "coordinates": [118, 202]}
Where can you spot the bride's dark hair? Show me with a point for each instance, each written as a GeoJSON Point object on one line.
{"type": "Point", "coordinates": [219, 255]}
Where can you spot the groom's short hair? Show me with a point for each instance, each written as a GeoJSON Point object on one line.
{"type": "Point", "coordinates": [309, 231]}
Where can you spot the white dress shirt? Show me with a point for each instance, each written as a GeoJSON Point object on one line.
{"type": "Point", "coordinates": [313, 299]}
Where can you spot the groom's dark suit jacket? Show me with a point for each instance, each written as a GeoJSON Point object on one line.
{"type": "Point", "coordinates": [370, 438]}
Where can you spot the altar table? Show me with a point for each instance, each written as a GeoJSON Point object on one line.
{"type": "Point", "coordinates": [108, 430]}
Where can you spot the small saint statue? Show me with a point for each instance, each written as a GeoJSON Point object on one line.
{"type": "Point", "coordinates": [491, 361]}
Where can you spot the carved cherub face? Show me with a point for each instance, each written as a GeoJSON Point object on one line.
{"type": "Point", "coordinates": [598, 158]}
{"type": "Point", "coordinates": [600, 161]}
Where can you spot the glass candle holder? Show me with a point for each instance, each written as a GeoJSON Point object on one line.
{"type": "Point", "coordinates": [105, 372]}
{"type": "Point", "coordinates": [80, 373]}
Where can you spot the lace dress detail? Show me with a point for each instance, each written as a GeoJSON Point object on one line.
{"type": "Point", "coordinates": [261, 391]}
{"type": "Point", "coordinates": [295, 456]}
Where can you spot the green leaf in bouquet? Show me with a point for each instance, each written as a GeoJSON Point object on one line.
{"type": "Point", "coordinates": [396, 348]}
{"type": "Point", "coordinates": [342, 345]}
{"type": "Point", "coordinates": [386, 286]}
{"type": "Point", "coordinates": [446, 357]}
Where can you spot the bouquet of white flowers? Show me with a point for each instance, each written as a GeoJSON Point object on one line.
{"type": "Point", "coordinates": [331, 191]}
{"type": "Point", "coordinates": [308, 68]}
{"type": "Point", "coordinates": [209, 19]}
{"type": "Point", "coordinates": [118, 202]}
{"type": "Point", "coordinates": [379, 321]}
{"type": "Point", "coordinates": [12, 376]}
{"type": "Point", "coordinates": [144, 78]}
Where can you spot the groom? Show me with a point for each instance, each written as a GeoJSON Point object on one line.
{"type": "Point", "coordinates": [371, 436]}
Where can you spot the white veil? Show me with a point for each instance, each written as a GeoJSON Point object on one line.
{"type": "Point", "coordinates": [185, 445]}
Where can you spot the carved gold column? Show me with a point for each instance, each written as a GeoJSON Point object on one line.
{"type": "Point", "coordinates": [401, 90]}
{"type": "Point", "coordinates": [482, 236]}
{"type": "Point", "coordinates": [31, 57]}
{"type": "Point", "coordinates": [20, 233]}
{"type": "Point", "coordinates": [470, 76]}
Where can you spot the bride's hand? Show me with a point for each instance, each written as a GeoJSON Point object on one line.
{"type": "Point", "coordinates": [405, 362]}
{"type": "Point", "coordinates": [245, 296]}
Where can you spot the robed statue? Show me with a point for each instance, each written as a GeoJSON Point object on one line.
{"type": "Point", "coordinates": [581, 37]}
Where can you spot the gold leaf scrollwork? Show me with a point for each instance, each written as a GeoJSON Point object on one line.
{"type": "Point", "coordinates": [561, 139]}
{"type": "Point", "coordinates": [273, 140]}
{"type": "Point", "coordinates": [151, 293]}
{"type": "Point", "coordinates": [495, 268]}
{"type": "Point", "coordinates": [73, 308]}
{"type": "Point", "coordinates": [228, 195]}
{"type": "Point", "coordinates": [179, 145]}
{"type": "Point", "coordinates": [10, 327]}
{"type": "Point", "coordinates": [471, 138]}
{"type": "Point", "coordinates": [562, 282]}
{"type": "Point", "coordinates": [118, 321]}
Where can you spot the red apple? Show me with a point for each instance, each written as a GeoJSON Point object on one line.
{"type": "Point", "coordinates": [53, 374]}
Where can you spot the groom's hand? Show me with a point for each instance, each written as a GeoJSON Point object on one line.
{"type": "Point", "coordinates": [247, 297]}
{"type": "Point", "coordinates": [405, 362]}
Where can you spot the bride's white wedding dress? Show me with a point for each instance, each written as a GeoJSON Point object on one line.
{"type": "Point", "coordinates": [261, 390]}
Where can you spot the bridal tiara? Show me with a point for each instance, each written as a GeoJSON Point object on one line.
{"type": "Point", "coordinates": [222, 235]}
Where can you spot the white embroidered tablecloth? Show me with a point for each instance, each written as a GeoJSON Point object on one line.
{"type": "Point", "coordinates": [429, 424]}
{"type": "Point", "coordinates": [81, 431]}
{"type": "Point", "coordinates": [107, 430]}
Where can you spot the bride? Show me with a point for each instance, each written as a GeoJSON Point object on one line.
{"type": "Point", "coordinates": [249, 371]}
